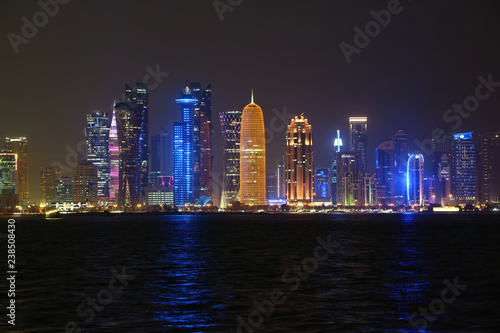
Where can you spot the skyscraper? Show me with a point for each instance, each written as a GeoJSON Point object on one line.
{"type": "Point", "coordinates": [231, 126]}
{"type": "Point", "coordinates": [184, 150]}
{"type": "Point", "coordinates": [252, 156]}
{"type": "Point", "coordinates": [401, 153]}
{"type": "Point", "coordinates": [64, 190]}
{"type": "Point", "coordinates": [48, 183]}
{"type": "Point", "coordinates": [19, 146]}
{"type": "Point", "coordinates": [132, 139]}
{"type": "Point", "coordinates": [85, 183]}
{"type": "Point", "coordinates": [441, 170]}
{"type": "Point", "coordinates": [489, 168]}
{"type": "Point", "coordinates": [322, 185]}
{"type": "Point", "coordinates": [463, 168]}
{"type": "Point", "coordinates": [348, 179]}
{"type": "Point", "coordinates": [161, 154]}
{"type": "Point", "coordinates": [337, 144]}
{"type": "Point", "coordinates": [415, 180]}
{"type": "Point", "coordinates": [281, 178]}
{"type": "Point", "coordinates": [385, 172]}
{"type": "Point", "coordinates": [359, 143]}
{"type": "Point", "coordinates": [8, 167]}
{"type": "Point", "coordinates": [98, 151]}
{"type": "Point", "coordinates": [114, 158]}
{"type": "Point", "coordinates": [299, 162]}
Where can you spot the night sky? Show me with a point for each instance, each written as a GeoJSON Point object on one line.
{"type": "Point", "coordinates": [427, 58]}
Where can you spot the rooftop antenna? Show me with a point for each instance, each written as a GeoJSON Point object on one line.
{"type": "Point", "coordinates": [252, 97]}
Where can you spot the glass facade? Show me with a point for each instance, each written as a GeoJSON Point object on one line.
{"type": "Point", "coordinates": [401, 153]}
{"type": "Point", "coordinates": [385, 172]}
{"type": "Point", "coordinates": [114, 158]}
{"type": "Point", "coordinates": [464, 168]}
{"type": "Point", "coordinates": [8, 168]}
{"type": "Point", "coordinates": [252, 156]}
{"type": "Point", "coordinates": [322, 184]}
{"type": "Point", "coordinates": [489, 168]}
{"type": "Point", "coordinates": [19, 146]}
{"type": "Point", "coordinates": [299, 162]}
{"type": "Point", "coordinates": [358, 134]}
{"type": "Point", "coordinates": [49, 176]}
{"type": "Point", "coordinates": [231, 126]}
{"type": "Point", "coordinates": [98, 151]}
{"type": "Point", "coordinates": [415, 180]}
{"type": "Point", "coordinates": [184, 150]}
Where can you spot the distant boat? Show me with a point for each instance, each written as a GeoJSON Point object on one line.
{"type": "Point", "coordinates": [53, 214]}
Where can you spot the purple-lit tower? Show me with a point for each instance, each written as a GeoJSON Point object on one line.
{"type": "Point", "coordinates": [114, 159]}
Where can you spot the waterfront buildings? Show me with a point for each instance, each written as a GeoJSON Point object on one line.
{"type": "Point", "coordinates": [231, 127]}
{"type": "Point", "coordinates": [463, 169]}
{"type": "Point", "coordinates": [49, 176]}
{"type": "Point", "coordinates": [401, 153]}
{"type": "Point", "coordinates": [358, 129]}
{"type": "Point", "coordinates": [19, 146]}
{"type": "Point", "coordinates": [85, 184]}
{"type": "Point", "coordinates": [415, 180]}
{"type": "Point", "coordinates": [98, 151]}
{"type": "Point", "coordinates": [322, 186]}
{"type": "Point", "coordinates": [385, 172]}
{"type": "Point", "coordinates": [114, 160]}
{"type": "Point", "coordinates": [489, 168]}
{"type": "Point", "coordinates": [299, 162]}
{"type": "Point", "coordinates": [252, 156]}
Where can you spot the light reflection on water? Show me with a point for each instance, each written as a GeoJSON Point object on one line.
{"type": "Point", "coordinates": [200, 273]}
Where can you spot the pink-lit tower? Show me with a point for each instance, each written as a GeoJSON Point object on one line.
{"type": "Point", "coordinates": [114, 155]}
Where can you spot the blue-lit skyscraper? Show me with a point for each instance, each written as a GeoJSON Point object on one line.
{"type": "Point", "coordinates": [322, 185]}
{"type": "Point", "coordinates": [184, 150]}
{"type": "Point", "coordinates": [97, 138]}
{"type": "Point", "coordinates": [463, 168]}
{"type": "Point", "coordinates": [401, 152]}
{"type": "Point", "coordinates": [385, 172]}
{"type": "Point", "coordinates": [415, 180]}
{"type": "Point", "coordinates": [334, 170]}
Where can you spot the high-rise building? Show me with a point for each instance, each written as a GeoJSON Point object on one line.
{"type": "Point", "coordinates": [184, 149]}
{"type": "Point", "coordinates": [385, 172]}
{"type": "Point", "coordinates": [441, 170]}
{"type": "Point", "coordinates": [348, 179]}
{"type": "Point", "coordinates": [114, 158]}
{"type": "Point", "coordinates": [132, 127]}
{"type": "Point", "coordinates": [463, 169]}
{"type": "Point", "coordinates": [19, 146]}
{"type": "Point", "coordinates": [64, 190]}
{"type": "Point", "coordinates": [252, 156]}
{"type": "Point", "coordinates": [368, 189]}
{"type": "Point", "coordinates": [415, 180]}
{"type": "Point", "coordinates": [85, 183]}
{"type": "Point", "coordinates": [98, 151]}
{"type": "Point", "coordinates": [8, 167]}
{"type": "Point", "coordinates": [337, 144]}
{"type": "Point", "coordinates": [161, 154]}
{"type": "Point", "coordinates": [401, 153]}
{"type": "Point", "coordinates": [489, 168]}
{"type": "Point", "coordinates": [231, 126]}
{"type": "Point", "coordinates": [358, 134]}
{"type": "Point", "coordinates": [322, 186]}
{"type": "Point", "coordinates": [271, 186]}
{"type": "Point", "coordinates": [281, 178]}
{"type": "Point", "coordinates": [48, 183]}
{"type": "Point", "coordinates": [299, 162]}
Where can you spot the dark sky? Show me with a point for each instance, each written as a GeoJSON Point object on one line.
{"type": "Point", "coordinates": [426, 59]}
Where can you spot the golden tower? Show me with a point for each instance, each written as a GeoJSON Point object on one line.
{"type": "Point", "coordinates": [252, 156]}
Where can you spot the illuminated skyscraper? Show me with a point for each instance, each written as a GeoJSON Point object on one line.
{"type": "Point", "coordinates": [385, 172]}
{"type": "Point", "coordinates": [252, 156]}
{"type": "Point", "coordinates": [161, 154]}
{"type": "Point", "coordinates": [114, 156]}
{"type": "Point", "coordinates": [8, 167]}
{"type": "Point", "coordinates": [299, 162]}
{"type": "Point", "coordinates": [401, 152]}
{"type": "Point", "coordinates": [337, 144]}
{"type": "Point", "coordinates": [281, 178]}
{"type": "Point", "coordinates": [441, 170]}
{"type": "Point", "coordinates": [132, 140]}
{"type": "Point", "coordinates": [359, 143]}
{"type": "Point", "coordinates": [85, 183]}
{"type": "Point", "coordinates": [231, 126]}
{"type": "Point", "coordinates": [203, 131]}
{"type": "Point", "coordinates": [48, 182]}
{"type": "Point", "coordinates": [184, 149]}
{"type": "Point", "coordinates": [322, 185]}
{"type": "Point", "coordinates": [348, 179]}
{"type": "Point", "coordinates": [415, 180]}
{"type": "Point", "coordinates": [98, 153]}
{"type": "Point", "coordinates": [19, 146]}
{"type": "Point", "coordinates": [463, 169]}
{"type": "Point", "coordinates": [489, 168]}
{"type": "Point", "coordinates": [64, 190]}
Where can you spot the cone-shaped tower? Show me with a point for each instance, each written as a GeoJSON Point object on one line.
{"type": "Point", "coordinates": [252, 156]}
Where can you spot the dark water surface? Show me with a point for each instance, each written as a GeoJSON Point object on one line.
{"type": "Point", "coordinates": [200, 273]}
